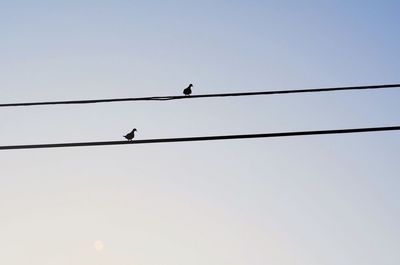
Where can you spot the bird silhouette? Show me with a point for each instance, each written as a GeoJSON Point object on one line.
{"type": "Point", "coordinates": [187, 91]}
{"type": "Point", "coordinates": [130, 135]}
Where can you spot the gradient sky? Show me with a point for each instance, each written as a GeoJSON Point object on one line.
{"type": "Point", "coordinates": [322, 200]}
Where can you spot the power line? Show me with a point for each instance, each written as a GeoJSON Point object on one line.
{"type": "Point", "coordinates": [164, 98]}
{"type": "Point", "coordinates": [204, 138]}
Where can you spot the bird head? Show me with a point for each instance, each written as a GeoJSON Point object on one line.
{"type": "Point", "coordinates": [190, 85]}
{"type": "Point", "coordinates": [134, 130]}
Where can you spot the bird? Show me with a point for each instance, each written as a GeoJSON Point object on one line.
{"type": "Point", "coordinates": [187, 91]}
{"type": "Point", "coordinates": [130, 135]}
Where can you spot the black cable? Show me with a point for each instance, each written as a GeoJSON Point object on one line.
{"type": "Point", "coordinates": [162, 98]}
{"type": "Point", "coordinates": [204, 138]}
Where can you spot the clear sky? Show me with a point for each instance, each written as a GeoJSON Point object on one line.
{"type": "Point", "coordinates": [322, 200]}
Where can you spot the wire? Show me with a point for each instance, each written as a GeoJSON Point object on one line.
{"type": "Point", "coordinates": [204, 138]}
{"type": "Point", "coordinates": [163, 98]}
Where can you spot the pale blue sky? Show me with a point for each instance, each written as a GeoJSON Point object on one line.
{"type": "Point", "coordinates": [294, 201]}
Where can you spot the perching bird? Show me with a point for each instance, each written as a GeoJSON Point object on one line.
{"type": "Point", "coordinates": [187, 91]}
{"type": "Point", "coordinates": [130, 135]}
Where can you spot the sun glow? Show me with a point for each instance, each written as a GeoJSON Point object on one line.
{"type": "Point", "coordinates": [99, 245]}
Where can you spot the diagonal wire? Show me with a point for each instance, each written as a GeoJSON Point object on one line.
{"type": "Point", "coordinates": [166, 98]}
{"type": "Point", "coordinates": [204, 138]}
